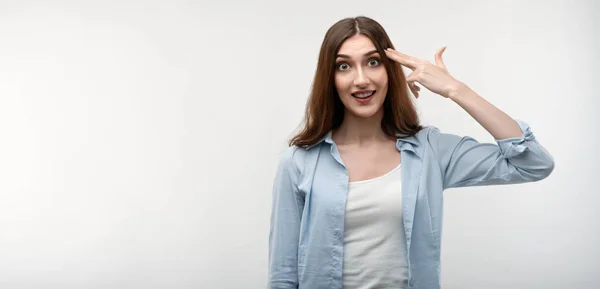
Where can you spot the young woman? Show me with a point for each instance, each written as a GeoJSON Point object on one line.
{"type": "Point", "coordinates": [357, 198]}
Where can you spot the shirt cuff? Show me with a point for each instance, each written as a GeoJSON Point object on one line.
{"type": "Point", "coordinates": [511, 147]}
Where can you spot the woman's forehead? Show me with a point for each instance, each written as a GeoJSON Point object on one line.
{"type": "Point", "coordinates": [357, 46]}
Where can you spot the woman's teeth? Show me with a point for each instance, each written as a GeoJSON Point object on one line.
{"type": "Point", "coordinates": [363, 95]}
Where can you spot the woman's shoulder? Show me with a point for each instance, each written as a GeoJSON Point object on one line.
{"type": "Point", "coordinates": [292, 156]}
{"type": "Point", "coordinates": [424, 135]}
{"type": "Point", "coordinates": [299, 159]}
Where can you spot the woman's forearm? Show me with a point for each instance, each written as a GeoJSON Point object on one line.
{"type": "Point", "coordinates": [495, 121]}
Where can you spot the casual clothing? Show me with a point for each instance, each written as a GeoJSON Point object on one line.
{"type": "Point", "coordinates": [310, 192]}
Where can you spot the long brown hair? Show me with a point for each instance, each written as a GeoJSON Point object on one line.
{"type": "Point", "coordinates": [325, 110]}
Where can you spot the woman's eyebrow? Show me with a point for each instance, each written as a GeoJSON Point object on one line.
{"type": "Point", "coordinates": [366, 54]}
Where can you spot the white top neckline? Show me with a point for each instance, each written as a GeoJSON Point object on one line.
{"type": "Point", "coordinates": [376, 178]}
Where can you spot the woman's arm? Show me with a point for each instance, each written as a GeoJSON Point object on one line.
{"type": "Point", "coordinates": [516, 158]}
{"type": "Point", "coordinates": [286, 214]}
{"type": "Point", "coordinates": [494, 120]}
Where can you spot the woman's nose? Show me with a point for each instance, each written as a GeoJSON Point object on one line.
{"type": "Point", "coordinates": [360, 78]}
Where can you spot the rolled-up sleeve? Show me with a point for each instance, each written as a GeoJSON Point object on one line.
{"type": "Point", "coordinates": [286, 214]}
{"type": "Point", "coordinates": [466, 162]}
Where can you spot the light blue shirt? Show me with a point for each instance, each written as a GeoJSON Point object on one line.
{"type": "Point", "coordinates": [306, 243]}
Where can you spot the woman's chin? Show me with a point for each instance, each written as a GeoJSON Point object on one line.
{"type": "Point", "coordinates": [364, 112]}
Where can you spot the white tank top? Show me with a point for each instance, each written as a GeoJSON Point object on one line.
{"type": "Point", "coordinates": [374, 242]}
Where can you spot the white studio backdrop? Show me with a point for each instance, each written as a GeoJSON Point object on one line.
{"type": "Point", "coordinates": [139, 139]}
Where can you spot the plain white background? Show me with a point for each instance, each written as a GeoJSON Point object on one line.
{"type": "Point", "coordinates": [139, 139]}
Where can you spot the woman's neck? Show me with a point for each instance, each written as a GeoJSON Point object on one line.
{"type": "Point", "coordinates": [360, 131]}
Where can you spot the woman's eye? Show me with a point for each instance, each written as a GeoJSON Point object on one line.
{"type": "Point", "coordinates": [374, 62]}
{"type": "Point", "coordinates": [342, 66]}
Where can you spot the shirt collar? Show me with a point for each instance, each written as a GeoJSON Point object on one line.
{"type": "Point", "coordinates": [402, 141]}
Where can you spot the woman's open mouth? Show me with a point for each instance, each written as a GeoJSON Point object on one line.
{"type": "Point", "coordinates": [363, 96]}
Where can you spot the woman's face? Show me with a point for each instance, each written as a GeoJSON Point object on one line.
{"type": "Point", "coordinates": [360, 77]}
